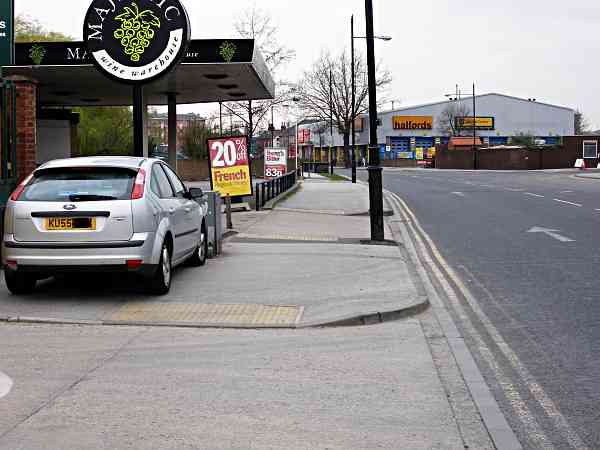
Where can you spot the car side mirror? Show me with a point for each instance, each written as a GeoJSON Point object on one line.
{"type": "Point", "coordinates": [195, 193]}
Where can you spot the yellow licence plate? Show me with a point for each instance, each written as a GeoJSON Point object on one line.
{"type": "Point", "coordinates": [75, 223]}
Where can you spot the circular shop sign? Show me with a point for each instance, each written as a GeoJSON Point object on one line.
{"type": "Point", "coordinates": [136, 41]}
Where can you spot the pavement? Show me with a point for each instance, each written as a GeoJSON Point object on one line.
{"type": "Point", "coordinates": [303, 263]}
{"type": "Point", "coordinates": [524, 245]}
{"type": "Point", "coordinates": [408, 383]}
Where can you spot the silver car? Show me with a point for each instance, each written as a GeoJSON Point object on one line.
{"type": "Point", "coordinates": [102, 214]}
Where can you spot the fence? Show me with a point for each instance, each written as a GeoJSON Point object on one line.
{"type": "Point", "coordinates": [268, 190]}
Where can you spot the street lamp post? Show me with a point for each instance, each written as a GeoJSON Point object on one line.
{"type": "Point", "coordinates": [353, 99]}
{"type": "Point", "coordinates": [375, 170]}
{"type": "Point", "coordinates": [352, 37]}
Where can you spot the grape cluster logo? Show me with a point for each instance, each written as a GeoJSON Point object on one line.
{"type": "Point", "coordinates": [37, 53]}
{"type": "Point", "coordinates": [136, 41]}
{"type": "Point", "coordinates": [136, 31]}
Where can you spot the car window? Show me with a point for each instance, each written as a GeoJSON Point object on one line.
{"type": "Point", "coordinates": [160, 183]}
{"type": "Point", "coordinates": [80, 184]}
{"type": "Point", "coordinates": [175, 181]}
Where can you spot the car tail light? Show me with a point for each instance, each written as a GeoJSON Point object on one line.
{"type": "Point", "coordinates": [134, 263]}
{"type": "Point", "coordinates": [11, 264]}
{"type": "Point", "coordinates": [138, 185]}
{"type": "Point", "coordinates": [20, 188]}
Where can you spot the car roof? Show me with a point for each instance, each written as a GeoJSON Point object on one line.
{"type": "Point", "coordinates": [128, 162]}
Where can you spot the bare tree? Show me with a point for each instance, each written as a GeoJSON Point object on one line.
{"type": "Point", "coordinates": [582, 125]}
{"type": "Point", "coordinates": [447, 123]}
{"type": "Point", "coordinates": [325, 91]}
{"type": "Point", "coordinates": [257, 24]}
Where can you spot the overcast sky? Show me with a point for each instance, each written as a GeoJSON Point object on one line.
{"type": "Point", "coordinates": [544, 49]}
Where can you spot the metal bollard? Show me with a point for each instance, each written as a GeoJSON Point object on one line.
{"type": "Point", "coordinates": [228, 212]}
{"type": "Point", "coordinates": [257, 197]}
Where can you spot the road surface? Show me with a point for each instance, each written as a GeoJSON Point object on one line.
{"type": "Point", "coordinates": [526, 246]}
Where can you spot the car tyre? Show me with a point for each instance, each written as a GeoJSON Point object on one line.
{"type": "Point", "coordinates": [199, 256]}
{"type": "Point", "coordinates": [19, 283]}
{"type": "Point", "coordinates": [160, 282]}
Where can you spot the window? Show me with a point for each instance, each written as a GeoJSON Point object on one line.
{"type": "Point", "coordinates": [80, 184]}
{"type": "Point", "coordinates": [590, 149]}
{"type": "Point", "coordinates": [178, 186]}
{"type": "Point", "coordinates": [160, 183]}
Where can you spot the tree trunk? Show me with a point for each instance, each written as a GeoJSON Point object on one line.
{"type": "Point", "coordinates": [347, 155]}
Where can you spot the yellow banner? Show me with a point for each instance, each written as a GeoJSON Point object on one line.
{"type": "Point", "coordinates": [412, 122]}
{"type": "Point", "coordinates": [234, 180]}
{"type": "Point", "coordinates": [481, 123]}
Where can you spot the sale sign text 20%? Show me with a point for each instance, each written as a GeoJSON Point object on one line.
{"type": "Point", "coordinates": [230, 168]}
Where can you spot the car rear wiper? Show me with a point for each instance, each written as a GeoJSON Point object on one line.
{"type": "Point", "coordinates": [90, 198]}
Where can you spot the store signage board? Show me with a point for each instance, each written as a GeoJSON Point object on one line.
{"type": "Point", "coordinates": [275, 162]}
{"type": "Point", "coordinates": [481, 123]}
{"type": "Point", "coordinates": [412, 122]}
{"type": "Point", "coordinates": [203, 51]}
{"type": "Point", "coordinates": [6, 32]}
{"type": "Point", "coordinates": [136, 42]}
{"type": "Point", "coordinates": [229, 166]}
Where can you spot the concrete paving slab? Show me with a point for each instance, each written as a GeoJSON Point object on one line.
{"type": "Point", "coordinates": [341, 388]}
{"type": "Point", "coordinates": [324, 195]}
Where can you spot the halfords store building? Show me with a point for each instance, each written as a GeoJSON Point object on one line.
{"type": "Point", "coordinates": [409, 133]}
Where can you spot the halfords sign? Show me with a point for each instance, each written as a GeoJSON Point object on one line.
{"type": "Point", "coordinates": [412, 122]}
{"type": "Point", "coordinates": [136, 41]}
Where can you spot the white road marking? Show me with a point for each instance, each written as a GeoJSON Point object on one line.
{"type": "Point", "coordinates": [552, 233]}
{"type": "Point", "coordinates": [511, 393]}
{"type": "Point", "coordinates": [568, 203]}
{"type": "Point", "coordinates": [531, 426]}
{"type": "Point", "coordinates": [565, 192]}
{"type": "Point", "coordinates": [5, 384]}
{"type": "Point", "coordinates": [534, 195]}
{"type": "Point", "coordinates": [486, 185]}
{"type": "Point", "coordinates": [515, 190]}
{"type": "Point", "coordinates": [460, 194]}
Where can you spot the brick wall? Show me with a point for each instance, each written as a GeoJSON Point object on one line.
{"type": "Point", "coordinates": [26, 127]}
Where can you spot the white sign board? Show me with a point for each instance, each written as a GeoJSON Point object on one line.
{"type": "Point", "coordinates": [275, 162]}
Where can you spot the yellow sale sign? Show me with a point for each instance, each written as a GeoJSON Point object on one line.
{"type": "Point", "coordinates": [229, 166]}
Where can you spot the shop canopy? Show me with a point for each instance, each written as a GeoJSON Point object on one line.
{"type": "Point", "coordinates": [66, 76]}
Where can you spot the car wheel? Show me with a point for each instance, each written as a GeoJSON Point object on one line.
{"type": "Point", "coordinates": [198, 258]}
{"type": "Point", "coordinates": [160, 283]}
{"type": "Point", "coordinates": [19, 283]}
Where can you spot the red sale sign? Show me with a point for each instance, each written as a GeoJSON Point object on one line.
{"type": "Point", "coordinates": [229, 166]}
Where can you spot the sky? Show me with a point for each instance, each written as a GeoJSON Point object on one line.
{"type": "Point", "coordinates": [542, 49]}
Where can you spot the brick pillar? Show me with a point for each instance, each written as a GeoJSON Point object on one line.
{"type": "Point", "coordinates": [26, 127]}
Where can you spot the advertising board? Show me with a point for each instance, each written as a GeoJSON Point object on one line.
{"type": "Point", "coordinates": [229, 166]}
{"type": "Point", "coordinates": [412, 122]}
{"type": "Point", "coordinates": [6, 32]}
{"type": "Point", "coordinates": [136, 42]}
{"type": "Point", "coordinates": [275, 162]}
{"type": "Point", "coordinates": [481, 123]}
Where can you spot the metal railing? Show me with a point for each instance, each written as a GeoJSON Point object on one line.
{"type": "Point", "coordinates": [268, 190]}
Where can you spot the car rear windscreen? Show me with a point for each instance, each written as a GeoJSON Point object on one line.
{"type": "Point", "coordinates": [80, 184]}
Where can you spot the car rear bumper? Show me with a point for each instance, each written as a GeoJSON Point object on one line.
{"type": "Point", "coordinates": [77, 256]}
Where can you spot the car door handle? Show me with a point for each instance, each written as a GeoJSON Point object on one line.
{"type": "Point", "coordinates": [172, 211]}
{"type": "Point", "coordinates": [188, 210]}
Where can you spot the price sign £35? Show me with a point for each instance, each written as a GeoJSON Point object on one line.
{"type": "Point", "coordinates": [229, 166]}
